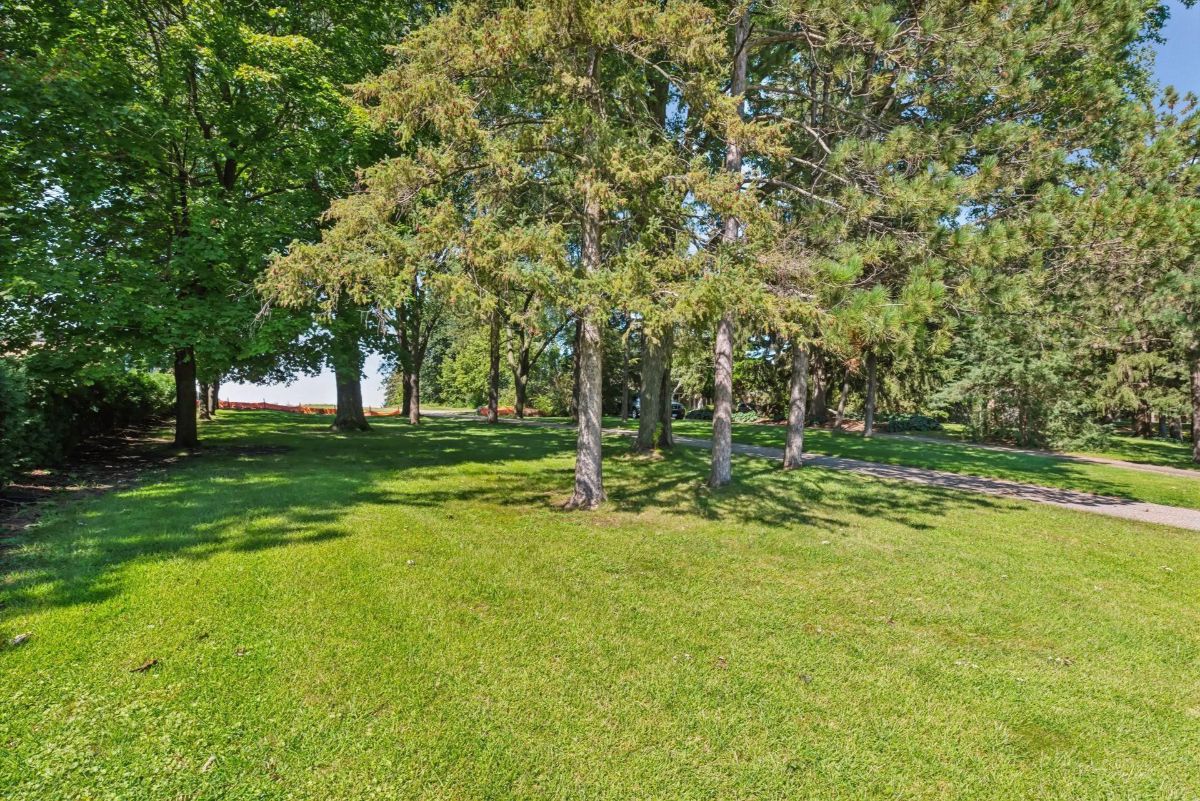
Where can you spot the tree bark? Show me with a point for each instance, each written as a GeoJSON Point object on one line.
{"type": "Point", "coordinates": [650, 394]}
{"type": "Point", "coordinates": [185, 398]}
{"type": "Point", "coordinates": [413, 386]}
{"type": "Point", "coordinates": [722, 436]}
{"type": "Point", "coordinates": [842, 395]}
{"type": "Point", "coordinates": [793, 455]}
{"type": "Point", "coordinates": [493, 398]}
{"type": "Point", "coordinates": [214, 396]}
{"type": "Point", "coordinates": [575, 369]}
{"type": "Point", "coordinates": [869, 409]}
{"type": "Point", "coordinates": [1196, 407]}
{"type": "Point", "coordinates": [666, 437]}
{"type": "Point", "coordinates": [405, 391]}
{"type": "Point", "coordinates": [347, 371]}
{"type": "Point", "coordinates": [521, 365]}
{"type": "Point", "coordinates": [205, 409]}
{"type": "Point", "coordinates": [820, 386]}
{"type": "Point", "coordinates": [589, 476]}
{"type": "Point", "coordinates": [625, 373]}
{"type": "Point", "coordinates": [350, 415]}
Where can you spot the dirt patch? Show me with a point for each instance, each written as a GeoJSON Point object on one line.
{"type": "Point", "coordinates": [101, 465]}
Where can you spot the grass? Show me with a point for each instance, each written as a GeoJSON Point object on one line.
{"type": "Point", "coordinates": [1166, 453]}
{"type": "Point", "coordinates": [406, 613]}
{"type": "Point", "coordinates": [954, 457]}
{"type": "Point", "coordinates": [1162, 452]}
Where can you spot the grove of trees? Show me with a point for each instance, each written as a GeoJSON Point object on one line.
{"type": "Point", "coordinates": [980, 211]}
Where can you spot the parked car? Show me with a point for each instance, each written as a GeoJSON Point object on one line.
{"type": "Point", "coordinates": [677, 410]}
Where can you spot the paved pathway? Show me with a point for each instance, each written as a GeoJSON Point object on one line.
{"type": "Point", "coordinates": [1067, 499]}
{"type": "Point", "coordinates": [1178, 472]}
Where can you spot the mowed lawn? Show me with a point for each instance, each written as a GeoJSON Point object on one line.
{"type": "Point", "coordinates": [955, 457]}
{"type": "Point", "coordinates": [406, 614]}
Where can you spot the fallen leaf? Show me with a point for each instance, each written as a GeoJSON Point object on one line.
{"type": "Point", "coordinates": [722, 663]}
{"type": "Point", "coordinates": [142, 668]}
{"type": "Point", "coordinates": [807, 679]}
{"type": "Point", "coordinates": [20, 639]}
{"type": "Point", "coordinates": [240, 652]}
{"type": "Point", "coordinates": [208, 765]}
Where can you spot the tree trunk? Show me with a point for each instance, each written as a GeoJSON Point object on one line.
{"type": "Point", "coordinates": [350, 415]}
{"type": "Point", "coordinates": [413, 388]}
{"type": "Point", "coordinates": [650, 394]}
{"type": "Point", "coordinates": [347, 371]}
{"type": "Point", "coordinates": [493, 398]}
{"type": "Point", "coordinates": [722, 436]}
{"type": "Point", "coordinates": [845, 393]}
{"type": "Point", "coordinates": [1142, 424]}
{"type": "Point", "coordinates": [521, 380]}
{"type": "Point", "coordinates": [575, 370]}
{"type": "Point", "coordinates": [793, 455]}
{"type": "Point", "coordinates": [214, 396]}
{"type": "Point", "coordinates": [404, 356]}
{"type": "Point", "coordinates": [1196, 407]}
{"type": "Point", "coordinates": [185, 398]}
{"type": "Point", "coordinates": [205, 409]}
{"type": "Point", "coordinates": [589, 476]}
{"type": "Point", "coordinates": [666, 438]}
{"type": "Point", "coordinates": [406, 391]}
{"type": "Point", "coordinates": [820, 390]}
{"type": "Point", "coordinates": [625, 374]}
{"type": "Point", "coordinates": [869, 409]}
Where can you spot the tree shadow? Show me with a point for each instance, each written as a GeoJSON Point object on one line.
{"type": "Point", "coordinates": [291, 483]}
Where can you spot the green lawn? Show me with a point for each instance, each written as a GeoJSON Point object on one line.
{"type": "Point", "coordinates": [1164, 452]}
{"type": "Point", "coordinates": [1046, 471]}
{"type": "Point", "coordinates": [406, 614]}
{"type": "Point", "coordinates": [1150, 451]}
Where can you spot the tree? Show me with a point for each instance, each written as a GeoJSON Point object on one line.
{"type": "Point", "coordinates": [538, 117]}
{"type": "Point", "coordinates": [218, 134]}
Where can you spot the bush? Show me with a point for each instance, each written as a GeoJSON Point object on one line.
{"type": "Point", "coordinates": [17, 427]}
{"type": "Point", "coordinates": [912, 422]}
{"type": "Point", "coordinates": [707, 414]}
{"type": "Point", "coordinates": [43, 418]}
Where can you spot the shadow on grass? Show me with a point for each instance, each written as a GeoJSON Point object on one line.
{"type": "Point", "coordinates": [232, 500]}
{"type": "Point", "coordinates": [1039, 470]}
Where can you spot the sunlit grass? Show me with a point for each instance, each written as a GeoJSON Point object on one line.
{"type": "Point", "coordinates": [408, 614]}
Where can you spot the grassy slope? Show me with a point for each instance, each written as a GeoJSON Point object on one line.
{"type": "Point", "coordinates": [1127, 448]}
{"type": "Point", "coordinates": [954, 457]}
{"type": "Point", "coordinates": [406, 614]}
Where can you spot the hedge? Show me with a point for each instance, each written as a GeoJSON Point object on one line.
{"type": "Point", "coordinates": [43, 419]}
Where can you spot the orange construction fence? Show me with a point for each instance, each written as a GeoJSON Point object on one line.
{"type": "Point", "coordinates": [241, 406]}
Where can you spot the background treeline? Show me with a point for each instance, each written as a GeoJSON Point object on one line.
{"type": "Point", "coordinates": [814, 209]}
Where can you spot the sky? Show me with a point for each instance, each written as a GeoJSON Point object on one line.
{"type": "Point", "coordinates": [1177, 63]}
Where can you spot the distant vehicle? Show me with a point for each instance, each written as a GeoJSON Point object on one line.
{"type": "Point", "coordinates": [745, 407]}
{"type": "Point", "coordinates": [677, 410]}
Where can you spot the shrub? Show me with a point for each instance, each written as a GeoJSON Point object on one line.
{"type": "Point", "coordinates": [43, 417]}
{"type": "Point", "coordinates": [17, 424]}
{"type": "Point", "coordinates": [912, 422]}
{"type": "Point", "coordinates": [707, 414]}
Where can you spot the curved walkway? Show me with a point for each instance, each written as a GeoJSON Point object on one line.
{"type": "Point", "coordinates": [1122, 508]}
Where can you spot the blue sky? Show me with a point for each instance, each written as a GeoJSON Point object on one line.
{"type": "Point", "coordinates": [1178, 64]}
